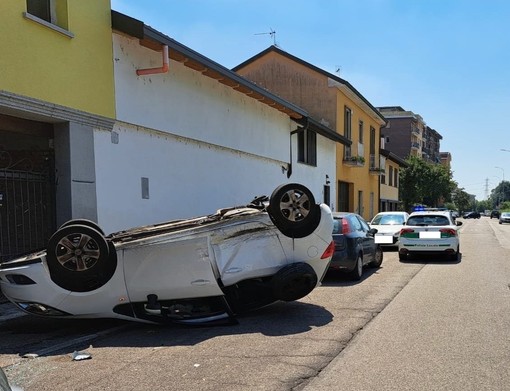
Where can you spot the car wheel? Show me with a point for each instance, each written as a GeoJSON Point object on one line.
{"type": "Point", "coordinates": [378, 257]}
{"type": "Point", "coordinates": [293, 210]}
{"type": "Point", "coordinates": [88, 223]}
{"type": "Point", "coordinates": [78, 258]}
{"type": "Point", "coordinates": [455, 256]}
{"type": "Point", "coordinates": [402, 257]}
{"type": "Point", "coordinates": [293, 282]}
{"type": "Point", "coordinates": [357, 272]}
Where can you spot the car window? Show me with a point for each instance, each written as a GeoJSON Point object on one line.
{"type": "Point", "coordinates": [337, 225]}
{"type": "Point", "coordinates": [355, 224]}
{"type": "Point", "coordinates": [388, 220]}
{"type": "Point", "coordinates": [428, 220]}
{"type": "Point", "coordinates": [364, 225]}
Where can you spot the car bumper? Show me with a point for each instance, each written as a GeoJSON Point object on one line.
{"type": "Point", "coordinates": [424, 246]}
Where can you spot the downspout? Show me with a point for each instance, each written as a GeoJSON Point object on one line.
{"type": "Point", "coordinates": [151, 71]}
{"type": "Point", "coordinates": [289, 170]}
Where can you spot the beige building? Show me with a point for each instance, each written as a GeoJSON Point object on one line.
{"type": "Point", "coordinates": [335, 103]}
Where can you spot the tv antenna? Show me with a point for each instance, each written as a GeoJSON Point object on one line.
{"type": "Point", "coordinates": [271, 33]}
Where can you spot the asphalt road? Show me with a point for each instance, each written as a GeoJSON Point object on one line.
{"type": "Point", "coordinates": [448, 329]}
{"type": "Point", "coordinates": [406, 326]}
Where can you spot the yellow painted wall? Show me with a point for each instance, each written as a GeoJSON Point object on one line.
{"type": "Point", "coordinates": [359, 177]}
{"type": "Point", "coordinates": [38, 62]}
{"type": "Point", "coordinates": [390, 192]}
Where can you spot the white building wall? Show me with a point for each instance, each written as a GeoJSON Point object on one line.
{"type": "Point", "coordinates": [202, 146]}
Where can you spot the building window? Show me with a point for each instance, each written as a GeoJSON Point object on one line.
{"type": "Point", "coordinates": [307, 147]}
{"type": "Point", "coordinates": [40, 8]}
{"type": "Point", "coordinates": [347, 131]}
{"type": "Point", "coordinates": [54, 12]}
{"type": "Point", "coordinates": [395, 179]}
{"type": "Point", "coordinates": [390, 179]}
{"type": "Point", "coordinates": [360, 130]}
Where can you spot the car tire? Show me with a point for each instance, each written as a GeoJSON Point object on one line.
{"type": "Point", "coordinates": [293, 282]}
{"type": "Point", "coordinates": [402, 257]}
{"type": "Point", "coordinates": [378, 258]}
{"type": "Point", "coordinates": [293, 210]}
{"type": "Point", "coordinates": [455, 257]}
{"type": "Point", "coordinates": [357, 272]}
{"type": "Point", "coordinates": [79, 259]}
{"type": "Point", "coordinates": [88, 223]}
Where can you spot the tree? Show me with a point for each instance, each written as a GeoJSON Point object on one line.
{"type": "Point", "coordinates": [425, 183]}
{"type": "Point", "coordinates": [461, 199]}
{"type": "Point", "coordinates": [500, 194]}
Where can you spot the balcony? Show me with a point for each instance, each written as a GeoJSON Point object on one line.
{"type": "Point", "coordinates": [376, 171]}
{"type": "Point", "coordinates": [354, 161]}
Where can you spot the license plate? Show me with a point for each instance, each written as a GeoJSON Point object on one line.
{"type": "Point", "coordinates": [430, 235]}
{"type": "Point", "coordinates": [383, 239]}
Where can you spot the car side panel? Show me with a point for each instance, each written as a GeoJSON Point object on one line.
{"type": "Point", "coordinates": [347, 248]}
{"type": "Point", "coordinates": [170, 269]}
{"type": "Point", "coordinates": [249, 251]}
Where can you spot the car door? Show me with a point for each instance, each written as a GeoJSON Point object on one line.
{"type": "Point", "coordinates": [368, 241]}
{"type": "Point", "coordinates": [170, 267]}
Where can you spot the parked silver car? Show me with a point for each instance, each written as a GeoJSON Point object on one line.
{"type": "Point", "coordinates": [504, 217]}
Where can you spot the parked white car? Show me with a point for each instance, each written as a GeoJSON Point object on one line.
{"type": "Point", "coordinates": [388, 226]}
{"type": "Point", "coordinates": [429, 233]}
{"type": "Point", "coordinates": [202, 270]}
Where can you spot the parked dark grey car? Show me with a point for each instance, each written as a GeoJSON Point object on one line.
{"type": "Point", "coordinates": [355, 245]}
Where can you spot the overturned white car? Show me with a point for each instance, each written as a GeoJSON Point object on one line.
{"type": "Point", "coordinates": [195, 271]}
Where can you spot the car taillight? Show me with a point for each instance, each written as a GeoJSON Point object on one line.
{"type": "Point", "coordinates": [407, 233]}
{"type": "Point", "coordinates": [448, 232]}
{"type": "Point", "coordinates": [329, 251]}
{"type": "Point", "coordinates": [345, 226]}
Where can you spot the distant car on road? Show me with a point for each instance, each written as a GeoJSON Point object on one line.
{"type": "Point", "coordinates": [471, 215]}
{"type": "Point", "coordinates": [504, 218]}
{"type": "Point", "coordinates": [495, 214]}
{"type": "Point", "coordinates": [355, 245]}
{"type": "Point", "coordinates": [388, 226]}
{"type": "Point", "coordinates": [429, 233]}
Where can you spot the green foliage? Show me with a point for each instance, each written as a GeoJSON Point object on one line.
{"type": "Point", "coordinates": [425, 183]}
{"type": "Point", "coordinates": [500, 194]}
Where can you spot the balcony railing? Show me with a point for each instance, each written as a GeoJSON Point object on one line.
{"type": "Point", "coordinates": [376, 171]}
{"type": "Point", "coordinates": [354, 161]}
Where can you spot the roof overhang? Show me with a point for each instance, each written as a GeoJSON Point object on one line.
{"type": "Point", "coordinates": [391, 156]}
{"type": "Point", "coordinates": [155, 40]}
{"type": "Point", "coordinates": [324, 131]}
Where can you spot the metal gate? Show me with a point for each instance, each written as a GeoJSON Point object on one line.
{"type": "Point", "coordinates": [27, 211]}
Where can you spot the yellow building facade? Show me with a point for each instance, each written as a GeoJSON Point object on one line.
{"type": "Point", "coordinates": [58, 51]}
{"type": "Point", "coordinates": [56, 91]}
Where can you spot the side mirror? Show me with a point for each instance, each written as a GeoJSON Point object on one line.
{"type": "Point", "coordinates": [458, 223]}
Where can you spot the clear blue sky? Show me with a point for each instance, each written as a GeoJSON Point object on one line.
{"type": "Point", "coordinates": [447, 60]}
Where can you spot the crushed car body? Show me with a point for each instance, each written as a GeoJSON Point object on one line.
{"type": "Point", "coordinates": [203, 270]}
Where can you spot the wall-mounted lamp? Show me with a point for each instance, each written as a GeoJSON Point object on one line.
{"type": "Point", "coordinates": [327, 180]}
